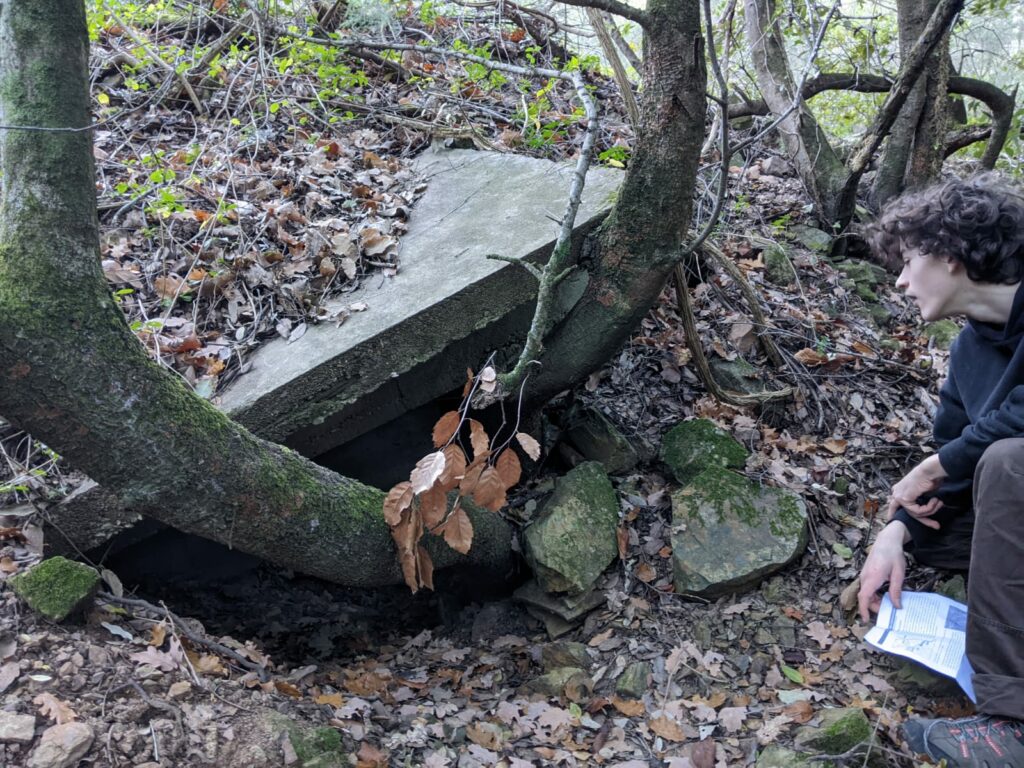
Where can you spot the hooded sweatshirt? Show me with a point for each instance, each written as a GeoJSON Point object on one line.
{"type": "Point", "coordinates": [982, 399]}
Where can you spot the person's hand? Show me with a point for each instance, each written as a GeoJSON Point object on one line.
{"type": "Point", "coordinates": [886, 563]}
{"type": "Point", "coordinates": [922, 479]}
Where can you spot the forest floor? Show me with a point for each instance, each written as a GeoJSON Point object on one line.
{"type": "Point", "coordinates": [217, 238]}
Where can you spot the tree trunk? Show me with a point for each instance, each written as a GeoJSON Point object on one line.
{"type": "Point", "coordinates": [915, 148]}
{"type": "Point", "coordinates": [817, 164]}
{"type": "Point", "coordinates": [74, 375]}
{"type": "Point", "coordinates": [633, 253]}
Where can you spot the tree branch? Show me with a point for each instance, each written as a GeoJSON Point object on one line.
{"type": "Point", "coordinates": [614, 6]}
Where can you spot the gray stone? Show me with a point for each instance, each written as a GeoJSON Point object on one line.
{"type": "Point", "coordinates": [574, 538]}
{"type": "Point", "coordinates": [564, 654]}
{"type": "Point", "coordinates": [447, 308]}
{"type": "Point", "coordinates": [736, 375]}
{"type": "Point", "coordinates": [20, 729]}
{"type": "Point", "coordinates": [728, 533]}
{"type": "Point", "coordinates": [841, 729]}
{"type": "Point", "coordinates": [571, 682]}
{"type": "Point", "coordinates": [62, 746]}
{"type": "Point", "coordinates": [554, 625]}
{"type": "Point", "coordinates": [942, 333]}
{"type": "Point", "coordinates": [862, 278]}
{"type": "Point", "coordinates": [810, 237]}
{"type": "Point", "coordinates": [692, 446]}
{"type": "Point", "coordinates": [566, 607]}
{"type": "Point", "coordinates": [56, 588]}
{"type": "Point", "coordinates": [597, 439]}
{"type": "Point", "coordinates": [776, 166]}
{"type": "Point", "coordinates": [633, 681]}
{"type": "Point", "coordinates": [778, 268]}
{"type": "Point", "coordinates": [955, 588]}
{"type": "Point", "coordinates": [774, 756]}
{"type": "Point", "coordinates": [914, 679]}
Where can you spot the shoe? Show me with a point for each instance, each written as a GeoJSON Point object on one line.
{"type": "Point", "coordinates": [973, 742]}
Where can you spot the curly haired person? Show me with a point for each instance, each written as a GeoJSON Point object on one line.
{"type": "Point", "coordinates": [961, 245]}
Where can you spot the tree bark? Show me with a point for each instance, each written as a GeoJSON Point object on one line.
{"type": "Point", "coordinates": [817, 164]}
{"type": "Point", "coordinates": [915, 148]}
{"type": "Point", "coordinates": [73, 374]}
{"type": "Point", "coordinates": [632, 255]}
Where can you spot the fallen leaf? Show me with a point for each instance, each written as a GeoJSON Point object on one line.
{"type": "Point", "coordinates": [157, 635]}
{"type": "Point", "coordinates": [835, 445]}
{"type": "Point", "coordinates": [732, 718]}
{"type": "Point", "coordinates": [666, 728]}
{"type": "Point", "coordinates": [55, 709]}
{"type": "Point", "coordinates": [628, 707]}
{"type": "Point", "coordinates": [167, 286]}
{"type": "Point", "coordinates": [818, 632]}
{"type": "Point", "coordinates": [811, 357]}
{"type": "Point", "coordinates": [702, 754]}
{"type": "Point", "coordinates": [622, 539]}
{"type": "Point", "coordinates": [799, 711]}
{"type": "Point", "coordinates": [288, 689]}
{"type": "Point", "coordinates": [792, 674]}
{"type": "Point", "coordinates": [370, 756]}
{"type": "Point", "coordinates": [486, 735]}
{"type": "Point", "coordinates": [330, 699]}
{"type": "Point", "coordinates": [154, 658]}
{"type": "Point", "coordinates": [646, 573]}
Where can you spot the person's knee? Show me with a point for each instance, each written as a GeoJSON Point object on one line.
{"type": "Point", "coordinates": [1000, 458]}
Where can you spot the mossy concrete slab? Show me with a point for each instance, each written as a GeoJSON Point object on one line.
{"type": "Point", "coordinates": [692, 446]}
{"type": "Point", "coordinates": [728, 533]}
{"type": "Point", "coordinates": [573, 540]}
{"type": "Point", "coordinates": [56, 588]}
{"type": "Point", "coordinates": [446, 310]}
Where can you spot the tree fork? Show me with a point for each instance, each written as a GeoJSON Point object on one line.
{"type": "Point", "coordinates": [74, 376]}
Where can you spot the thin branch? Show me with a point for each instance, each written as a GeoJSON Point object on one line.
{"type": "Point", "coordinates": [625, 87]}
{"type": "Point", "coordinates": [614, 6]}
{"type": "Point", "coordinates": [627, 50]}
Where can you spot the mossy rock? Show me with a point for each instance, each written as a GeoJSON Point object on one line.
{"type": "Point", "coordinates": [942, 333]}
{"type": "Point", "coordinates": [841, 730]}
{"type": "Point", "coordinates": [811, 238]}
{"type": "Point", "coordinates": [778, 268]}
{"type": "Point", "coordinates": [633, 681]}
{"type": "Point", "coordinates": [593, 435]}
{"type": "Point", "coordinates": [774, 756]}
{"type": "Point", "coordinates": [57, 588]}
{"type": "Point", "coordinates": [737, 376]}
{"type": "Point", "coordinates": [728, 533]}
{"type": "Point", "coordinates": [692, 446]}
{"type": "Point", "coordinates": [574, 538]}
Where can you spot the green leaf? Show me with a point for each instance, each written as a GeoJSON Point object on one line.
{"type": "Point", "coordinates": [842, 550]}
{"type": "Point", "coordinates": [793, 674]}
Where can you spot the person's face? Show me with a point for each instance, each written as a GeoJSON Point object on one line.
{"type": "Point", "coordinates": [931, 282]}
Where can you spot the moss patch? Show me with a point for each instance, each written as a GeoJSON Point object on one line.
{"type": "Point", "coordinates": [57, 587]}
{"type": "Point", "coordinates": [693, 446]}
{"type": "Point", "coordinates": [777, 267]}
{"type": "Point", "coordinates": [840, 731]}
{"type": "Point", "coordinates": [942, 333]}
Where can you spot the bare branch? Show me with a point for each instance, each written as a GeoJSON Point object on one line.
{"type": "Point", "coordinates": [625, 87]}
{"type": "Point", "coordinates": [627, 51]}
{"type": "Point", "coordinates": [616, 7]}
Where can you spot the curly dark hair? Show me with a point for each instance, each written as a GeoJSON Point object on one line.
{"type": "Point", "coordinates": [978, 221]}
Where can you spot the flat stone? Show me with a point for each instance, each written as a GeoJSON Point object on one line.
{"type": "Point", "coordinates": [778, 267]}
{"type": "Point", "coordinates": [554, 625]}
{"type": "Point", "coordinates": [56, 588]}
{"type": "Point", "coordinates": [574, 537]}
{"type": "Point", "coordinates": [633, 681]}
{"type": "Point", "coordinates": [20, 729]}
{"type": "Point", "coordinates": [737, 376]}
{"type": "Point", "coordinates": [564, 654]}
{"type": "Point", "coordinates": [566, 607]}
{"type": "Point", "coordinates": [571, 682]}
{"type": "Point", "coordinates": [447, 308]}
{"type": "Point", "coordinates": [776, 166]}
{"type": "Point", "coordinates": [728, 533]}
{"type": "Point", "coordinates": [841, 730]}
{"type": "Point", "coordinates": [62, 746]}
{"type": "Point", "coordinates": [692, 446]}
{"type": "Point", "coordinates": [594, 436]}
{"type": "Point", "coordinates": [810, 237]}
{"type": "Point", "coordinates": [779, 757]}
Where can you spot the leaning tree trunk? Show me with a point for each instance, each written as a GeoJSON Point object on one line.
{"type": "Point", "coordinates": [817, 164]}
{"type": "Point", "coordinates": [915, 149]}
{"type": "Point", "coordinates": [632, 255]}
{"type": "Point", "coordinates": [74, 376]}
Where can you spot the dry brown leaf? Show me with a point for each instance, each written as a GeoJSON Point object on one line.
{"type": "Point", "coordinates": [666, 728]}
{"type": "Point", "coordinates": [433, 506]}
{"type": "Point", "coordinates": [167, 286]}
{"type": "Point", "coordinates": [811, 357]}
{"type": "Point", "coordinates": [283, 686]}
{"type": "Point", "coordinates": [628, 707]}
{"type": "Point", "coordinates": [702, 754]}
{"type": "Point", "coordinates": [489, 491]}
{"type": "Point", "coordinates": [330, 699]}
{"type": "Point", "coordinates": [370, 756]}
{"type": "Point", "coordinates": [509, 468]}
{"type": "Point", "coordinates": [7, 565]}
{"type": "Point", "coordinates": [646, 573]}
{"type": "Point", "coordinates": [622, 538]}
{"type": "Point", "coordinates": [458, 531]}
{"type": "Point", "coordinates": [427, 471]}
{"type": "Point", "coordinates": [157, 635]}
{"type": "Point", "coordinates": [406, 535]}
{"type": "Point", "coordinates": [454, 468]}
{"type": "Point", "coordinates": [531, 446]}
{"type": "Point", "coordinates": [397, 501]}
{"type": "Point", "coordinates": [471, 477]}
{"type": "Point", "coordinates": [478, 438]}
{"type": "Point", "coordinates": [55, 709]}
{"type": "Point", "coordinates": [209, 664]}
{"type": "Point", "coordinates": [732, 718]}
{"type": "Point", "coordinates": [848, 597]}
{"type": "Point", "coordinates": [445, 428]}
{"type": "Point", "coordinates": [835, 445]}
{"type": "Point", "coordinates": [425, 568]}
{"type": "Point", "coordinates": [799, 711]}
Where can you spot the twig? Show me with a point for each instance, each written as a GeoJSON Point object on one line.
{"type": "Point", "coordinates": [620, 42]}
{"type": "Point", "coordinates": [598, 23]}
{"type": "Point", "coordinates": [614, 6]}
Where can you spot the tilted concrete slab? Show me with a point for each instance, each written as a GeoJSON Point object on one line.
{"type": "Point", "coordinates": [447, 309]}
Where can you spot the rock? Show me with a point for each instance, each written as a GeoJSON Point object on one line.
{"type": "Point", "coordinates": [633, 681]}
{"type": "Point", "coordinates": [692, 446]}
{"type": "Point", "coordinates": [736, 375]}
{"type": "Point", "coordinates": [560, 613]}
{"type": "Point", "coordinates": [728, 533]}
{"type": "Point", "coordinates": [574, 538]}
{"type": "Point", "coordinates": [841, 730]}
{"type": "Point", "coordinates": [942, 333]}
{"type": "Point", "coordinates": [776, 166]}
{"type": "Point", "coordinates": [571, 682]}
{"type": "Point", "coordinates": [62, 746]}
{"type": "Point", "coordinates": [57, 587]}
{"type": "Point", "coordinates": [564, 654]}
{"type": "Point", "coordinates": [179, 689]}
{"type": "Point", "coordinates": [20, 729]}
{"type": "Point", "coordinates": [779, 757]}
{"type": "Point", "coordinates": [554, 625]}
{"type": "Point", "coordinates": [955, 588]}
{"type": "Point", "coordinates": [810, 237]}
{"type": "Point", "coordinates": [597, 439]}
{"type": "Point", "coordinates": [778, 269]}
{"type": "Point", "coordinates": [914, 679]}
{"type": "Point", "coordinates": [862, 277]}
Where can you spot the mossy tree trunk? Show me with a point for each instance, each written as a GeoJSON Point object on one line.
{"type": "Point", "coordinates": [632, 255]}
{"type": "Point", "coordinates": [73, 374]}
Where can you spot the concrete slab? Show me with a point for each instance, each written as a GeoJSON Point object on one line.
{"type": "Point", "coordinates": [446, 310]}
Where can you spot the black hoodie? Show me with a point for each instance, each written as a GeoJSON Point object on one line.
{"type": "Point", "coordinates": [982, 400]}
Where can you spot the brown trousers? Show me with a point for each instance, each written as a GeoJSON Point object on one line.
{"type": "Point", "coordinates": [988, 541]}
